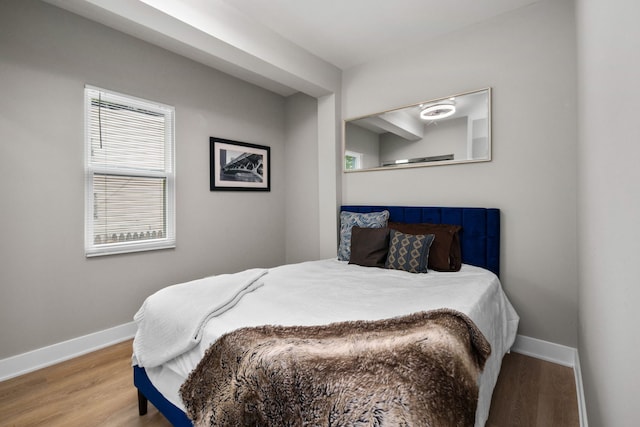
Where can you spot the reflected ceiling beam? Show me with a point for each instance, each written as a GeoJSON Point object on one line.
{"type": "Point", "coordinates": [218, 35]}
{"type": "Point", "coordinates": [399, 123]}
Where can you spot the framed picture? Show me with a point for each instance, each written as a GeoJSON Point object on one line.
{"type": "Point", "coordinates": [239, 166]}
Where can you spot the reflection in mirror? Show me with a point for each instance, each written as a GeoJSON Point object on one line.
{"type": "Point", "coordinates": [454, 129]}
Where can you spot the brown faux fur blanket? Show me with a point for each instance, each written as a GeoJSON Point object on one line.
{"type": "Point", "coordinates": [416, 370]}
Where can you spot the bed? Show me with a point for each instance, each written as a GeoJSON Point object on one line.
{"type": "Point", "coordinates": [365, 295]}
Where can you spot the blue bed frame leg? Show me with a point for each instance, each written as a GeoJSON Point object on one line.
{"type": "Point", "coordinates": [148, 393]}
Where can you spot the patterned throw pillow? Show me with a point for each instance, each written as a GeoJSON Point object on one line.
{"type": "Point", "coordinates": [409, 252]}
{"type": "Point", "coordinates": [365, 220]}
{"type": "Point", "coordinates": [444, 253]}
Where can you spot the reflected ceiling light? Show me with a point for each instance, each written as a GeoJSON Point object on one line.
{"type": "Point", "coordinates": [437, 111]}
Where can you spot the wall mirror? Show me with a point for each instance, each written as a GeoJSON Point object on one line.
{"type": "Point", "coordinates": [449, 130]}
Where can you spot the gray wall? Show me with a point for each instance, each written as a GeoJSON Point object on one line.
{"type": "Point", "coordinates": [363, 141]}
{"type": "Point", "coordinates": [445, 137]}
{"type": "Point", "coordinates": [528, 57]}
{"type": "Point", "coordinates": [49, 291]}
{"type": "Point", "coordinates": [609, 209]}
{"type": "Point", "coordinates": [301, 174]}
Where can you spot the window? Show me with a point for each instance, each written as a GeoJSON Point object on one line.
{"type": "Point", "coordinates": [129, 164]}
{"type": "Point", "coordinates": [352, 160]}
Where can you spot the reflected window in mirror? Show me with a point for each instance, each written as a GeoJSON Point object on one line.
{"type": "Point", "coordinates": [352, 160]}
{"type": "Point", "coordinates": [453, 129]}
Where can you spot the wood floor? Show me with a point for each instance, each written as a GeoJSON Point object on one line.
{"type": "Point", "coordinates": [97, 390]}
{"type": "Point", "coordinates": [533, 392]}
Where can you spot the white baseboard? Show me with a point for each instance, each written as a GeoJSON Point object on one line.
{"type": "Point", "coordinates": [582, 404]}
{"type": "Point", "coordinates": [545, 350]}
{"type": "Point", "coordinates": [56, 353]}
{"type": "Point", "coordinates": [555, 353]}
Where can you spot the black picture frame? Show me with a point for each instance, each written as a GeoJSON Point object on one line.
{"type": "Point", "coordinates": [239, 166]}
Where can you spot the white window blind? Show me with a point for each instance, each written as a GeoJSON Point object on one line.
{"type": "Point", "coordinates": [129, 174]}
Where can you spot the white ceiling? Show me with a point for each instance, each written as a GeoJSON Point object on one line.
{"type": "Point", "coordinates": [350, 32]}
{"type": "Point", "coordinates": [288, 46]}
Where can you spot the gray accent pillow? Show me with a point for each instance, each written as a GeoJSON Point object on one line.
{"type": "Point", "coordinates": [409, 252]}
{"type": "Point", "coordinates": [348, 220]}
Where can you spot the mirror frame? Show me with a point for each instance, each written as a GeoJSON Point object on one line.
{"type": "Point", "coordinates": [435, 162]}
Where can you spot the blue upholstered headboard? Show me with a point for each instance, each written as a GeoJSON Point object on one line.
{"type": "Point", "coordinates": [479, 237]}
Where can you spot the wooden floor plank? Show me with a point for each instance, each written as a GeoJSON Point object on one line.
{"type": "Point", "coordinates": [97, 390]}
{"type": "Point", "coordinates": [557, 402]}
{"type": "Point", "coordinates": [533, 393]}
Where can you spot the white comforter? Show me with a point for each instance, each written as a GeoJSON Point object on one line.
{"type": "Point", "coordinates": [171, 321]}
{"type": "Point", "coordinates": [320, 292]}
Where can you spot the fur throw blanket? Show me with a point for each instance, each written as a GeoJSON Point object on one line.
{"type": "Point", "coordinates": [416, 370]}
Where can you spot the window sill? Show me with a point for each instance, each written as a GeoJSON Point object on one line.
{"type": "Point", "coordinates": [128, 248]}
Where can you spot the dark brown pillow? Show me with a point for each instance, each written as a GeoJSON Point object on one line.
{"type": "Point", "coordinates": [369, 246]}
{"type": "Point", "coordinates": [445, 253]}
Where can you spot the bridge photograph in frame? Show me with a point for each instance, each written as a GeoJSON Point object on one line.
{"type": "Point", "coordinates": [239, 166]}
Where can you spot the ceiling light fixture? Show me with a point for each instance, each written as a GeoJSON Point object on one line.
{"type": "Point", "coordinates": [437, 111]}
